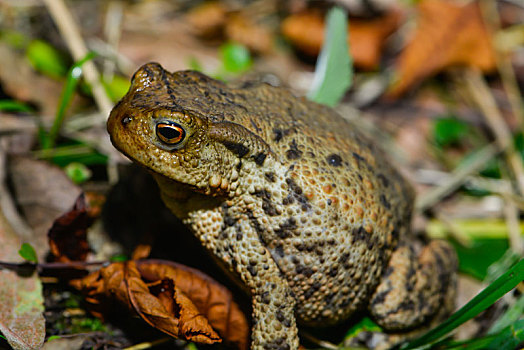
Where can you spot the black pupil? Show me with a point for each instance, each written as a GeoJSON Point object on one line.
{"type": "Point", "coordinates": [169, 132]}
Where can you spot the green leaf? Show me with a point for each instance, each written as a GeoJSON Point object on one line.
{"type": "Point", "coordinates": [53, 337]}
{"type": "Point", "coordinates": [14, 106]}
{"type": "Point", "coordinates": [510, 337]}
{"type": "Point", "coordinates": [449, 131]}
{"type": "Point", "coordinates": [71, 152]}
{"type": "Point", "coordinates": [490, 250]}
{"type": "Point", "coordinates": [479, 303]}
{"type": "Point", "coordinates": [46, 59]}
{"type": "Point", "coordinates": [119, 258]}
{"type": "Point", "coordinates": [73, 76]}
{"type": "Point", "coordinates": [78, 172]}
{"type": "Point", "coordinates": [28, 253]}
{"type": "Point", "coordinates": [117, 87]}
{"type": "Point", "coordinates": [334, 71]}
{"type": "Point", "coordinates": [365, 324]}
{"type": "Point", "coordinates": [235, 58]}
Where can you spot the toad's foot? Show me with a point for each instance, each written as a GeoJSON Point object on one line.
{"type": "Point", "coordinates": [415, 286]}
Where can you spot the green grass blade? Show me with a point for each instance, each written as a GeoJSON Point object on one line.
{"type": "Point", "coordinates": [14, 106]}
{"type": "Point", "coordinates": [73, 76]}
{"type": "Point", "coordinates": [482, 301]}
{"type": "Point", "coordinates": [334, 71]}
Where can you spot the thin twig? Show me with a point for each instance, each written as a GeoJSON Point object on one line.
{"type": "Point", "coordinates": [505, 68]}
{"type": "Point", "coordinates": [71, 34]}
{"type": "Point", "coordinates": [511, 216]}
{"type": "Point", "coordinates": [27, 265]}
{"type": "Point", "coordinates": [322, 343]}
{"type": "Point", "coordinates": [454, 230]}
{"type": "Point", "coordinates": [457, 178]}
{"type": "Point", "coordinates": [148, 344]}
{"type": "Point", "coordinates": [482, 96]}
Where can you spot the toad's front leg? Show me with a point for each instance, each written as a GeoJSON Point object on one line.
{"type": "Point", "coordinates": [237, 244]}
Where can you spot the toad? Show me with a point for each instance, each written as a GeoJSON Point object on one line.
{"type": "Point", "coordinates": [289, 197]}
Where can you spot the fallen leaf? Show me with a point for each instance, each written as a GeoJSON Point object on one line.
{"type": "Point", "coordinates": [208, 19]}
{"type": "Point", "coordinates": [165, 308]}
{"type": "Point", "coordinates": [21, 303]}
{"type": "Point", "coordinates": [448, 34]}
{"type": "Point", "coordinates": [43, 192]}
{"type": "Point", "coordinates": [68, 235]}
{"type": "Point", "coordinates": [211, 299]}
{"type": "Point", "coordinates": [242, 29]}
{"type": "Point", "coordinates": [305, 30]}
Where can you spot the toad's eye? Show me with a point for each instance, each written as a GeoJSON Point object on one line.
{"type": "Point", "coordinates": [170, 133]}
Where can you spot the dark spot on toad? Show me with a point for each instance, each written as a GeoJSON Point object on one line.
{"type": "Point", "coordinates": [358, 157]}
{"type": "Point", "coordinates": [270, 176]}
{"type": "Point", "coordinates": [259, 158]}
{"type": "Point", "coordinates": [383, 179]}
{"type": "Point", "coordinates": [278, 134]}
{"type": "Point", "coordinates": [385, 202]}
{"type": "Point", "coordinates": [264, 298]}
{"type": "Point", "coordinates": [239, 149]}
{"type": "Point", "coordinates": [252, 270]}
{"type": "Point", "coordinates": [287, 228]}
{"type": "Point", "coordinates": [293, 152]}
{"type": "Point", "coordinates": [334, 159]}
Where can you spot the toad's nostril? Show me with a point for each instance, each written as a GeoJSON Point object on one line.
{"type": "Point", "coordinates": [126, 120]}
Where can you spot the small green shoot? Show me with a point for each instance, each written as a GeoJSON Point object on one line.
{"type": "Point", "coordinates": [73, 151]}
{"type": "Point", "coordinates": [82, 325]}
{"type": "Point", "coordinates": [119, 258]}
{"type": "Point", "coordinates": [78, 172]}
{"type": "Point", "coordinates": [449, 131]}
{"type": "Point", "coordinates": [235, 58]}
{"type": "Point", "coordinates": [479, 303]}
{"type": "Point", "coordinates": [117, 87]}
{"type": "Point", "coordinates": [15, 106]}
{"type": "Point", "coordinates": [365, 324]}
{"type": "Point", "coordinates": [334, 71]}
{"type": "Point", "coordinates": [46, 59]}
{"type": "Point", "coordinates": [73, 77]}
{"type": "Point", "coordinates": [28, 253]}
{"type": "Point", "coordinates": [53, 337]}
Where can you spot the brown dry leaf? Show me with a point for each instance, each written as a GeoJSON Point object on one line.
{"type": "Point", "coordinates": [211, 299]}
{"type": "Point", "coordinates": [214, 20]}
{"type": "Point", "coordinates": [306, 31]}
{"type": "Point", "coordinates": [169, 310]}
{"type": "Point", "coordinates": [242, 29]}
{"type": "Point", "coordinates": [208, 19]}
{"type": "Point", "coordinates": [447, 34]}
{"type": "Point", "coordinates": [21, 302]}
{"type": "Point", "coordinates": [43, 192]}
{"type": "Point", "coordinates": [68, 235]}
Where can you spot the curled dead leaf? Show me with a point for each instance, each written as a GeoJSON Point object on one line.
{"type": "Point", "coordinates": [68, 235]}
{"type": "Point", "coordinates": [173, 298]}
{"type": "Point", "coordinates": [448, 34]}
{"type": "Point", "coordinates": [211, 299]}
{"type": "Point", "coordinates": [305, 30]}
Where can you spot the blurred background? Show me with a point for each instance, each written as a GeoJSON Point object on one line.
{"type": "Point", "coordinates": [436, 82]}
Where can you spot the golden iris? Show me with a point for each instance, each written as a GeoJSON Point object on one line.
{"type": "Point", "coordinates": [170, 133]}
